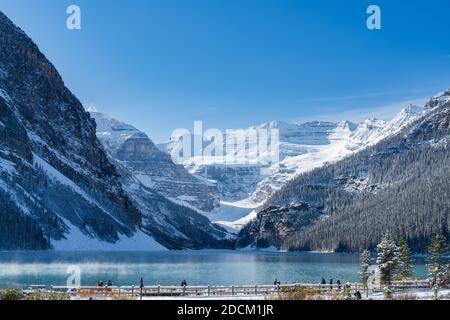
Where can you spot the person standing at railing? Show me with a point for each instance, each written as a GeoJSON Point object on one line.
{"type": "Point", "coordinates": [141, 288]}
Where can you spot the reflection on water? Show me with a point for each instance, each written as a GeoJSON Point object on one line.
{"type": "Point", "coordinates": [21, 269]}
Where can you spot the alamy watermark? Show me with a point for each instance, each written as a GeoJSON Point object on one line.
{"type": "Point", "coordinates": [73, 21]}
{"type": "Point", "coordinates": [374, 19]}
{"type": "Point", "coordinates": [74, 278]}
{"type": "Point", "coordinates": [254, 146]}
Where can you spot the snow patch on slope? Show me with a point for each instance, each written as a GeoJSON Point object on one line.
{"type": "Point", "coordinates": [62, 179]}
{"type": "Point", "coordinates": [78, 241]}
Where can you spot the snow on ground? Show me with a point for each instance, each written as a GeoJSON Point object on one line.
{"type": "Point", "coordinates": [234, 215]}
{"type": "Point", "coordinates": [419, 294]}
{"type": "Point", "coordinates": [78, 241]}
{"type": "Point", "coordinates": [62, 179]}
{"type": "Point", "coordinates": [15, 197]}
{"type": "Point", "coordinates": [207, 298]}
{"type": "Point", "coordinates": [7, 166]}
{"type": "Point", "coordinates": [236, 226]}
{"type": "Point", "coordinates": [5, 95]}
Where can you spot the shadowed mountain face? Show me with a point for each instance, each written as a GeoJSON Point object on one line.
{"type": "Point", "coordinates": [400, 184]}
{"type": "Point", "coordinates": [57, 184]}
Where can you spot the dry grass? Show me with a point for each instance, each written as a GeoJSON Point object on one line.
{"type": "Point", "coordinates": [298, 294]}
{"type": "Point", "coordinates": [405, 296]}
{"type": "Point", "coordinates": [48, 296]}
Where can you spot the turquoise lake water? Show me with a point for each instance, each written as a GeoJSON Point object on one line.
{"type": "Point", "coordinates": [21, 269]}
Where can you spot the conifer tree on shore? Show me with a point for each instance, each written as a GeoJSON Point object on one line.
{"type": "Point", "coordinates": [404, 260]}
{"type": "Point", "coordinates": [387, 259]}
{"type": "Point", "coordinates": [365, 264]}
{"type": "Point", "coordinates": [437, 267]}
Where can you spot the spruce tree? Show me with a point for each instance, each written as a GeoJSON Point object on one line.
{"type": "Point", "coordinates": [404, 260]}
{"type": "Point", "coordinates": [365, 264]}
{"type": "Point", "coordinates": [437, 267]}
{"type": "Point", "coordinates": [387, 259]}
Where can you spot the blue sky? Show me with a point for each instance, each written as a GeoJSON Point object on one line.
{"type": "Point", "coordinates": [160, 65]}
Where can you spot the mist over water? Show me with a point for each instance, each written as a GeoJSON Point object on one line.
{"type": "Point", "coordinates": [21, 269]}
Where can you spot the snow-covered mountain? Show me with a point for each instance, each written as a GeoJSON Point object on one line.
{"type": "Point", "coordinates": [53, 158]}
{"type": "Point", "coordinates": [342, 139]}
{"type": "Point", "coordinates": [398, 182]}
{"type": "Point", "coordinates": [152, 167]}
{"type": "Point", "coordinates": [302, 147]}
{"type": "Point", "coordinates": [59, 188]}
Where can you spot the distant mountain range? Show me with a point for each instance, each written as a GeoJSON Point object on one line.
{"type": "Point", "coordinates": [302, 147]}
{"type": "Point", "coordinates": [73, 180]}
{"type": "Point", "coordinates": [400, 182]}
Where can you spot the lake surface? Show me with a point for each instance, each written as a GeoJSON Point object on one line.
{"type": "Point", "coordinates": [21, 269]}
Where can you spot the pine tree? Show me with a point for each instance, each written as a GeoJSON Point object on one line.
{"type": "Point", "coordinates": [387, 259]}
{"type": "Point", "coordinates": [365, 264]}
{"type": "Point", "coordinates": [404, 260]}
{"type": "Point", "coordinates": [437, 268]}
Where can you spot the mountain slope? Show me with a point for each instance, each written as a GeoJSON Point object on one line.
{"type": "Point", "coordinates": [400, 184]}
{"type": "Point", "coordinates": [153, 168]}
{"type": "Point", "coordinates": [158, 187]}
{"type": "Point", "coordinates": [45, 128]}
{"type": "Point", "coordinates": [58, 187]}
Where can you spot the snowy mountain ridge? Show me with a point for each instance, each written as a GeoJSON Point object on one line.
{"type": "Point", "coordinates": [303, 147]}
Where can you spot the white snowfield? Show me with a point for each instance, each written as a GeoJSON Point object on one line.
{"type": "Point", "coordinates": [303, 147]}
{"type": "Point", "coordinates": [78, 241]}
{"type": "Point", "coordinates": [420, 294]}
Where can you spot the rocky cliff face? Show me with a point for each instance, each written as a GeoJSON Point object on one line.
{"type": "Point", "coordinates": [45, 129]}
{"type": "Point", "coordinates": [58, 187]}
{"type": "Point", "coordinates": [166, 194]}
{"type": "Point", "coordinates": [154, 168]}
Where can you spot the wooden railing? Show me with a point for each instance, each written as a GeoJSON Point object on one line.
{"type": "Point", "coordinates": [222, 291]}
{"type": "Point", "coordinates": [197, 291]}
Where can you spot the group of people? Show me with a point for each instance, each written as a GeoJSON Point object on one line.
{"type": "Point", "coordinates": [102, 284]}
{"type": "Point", "coordinates": [357, 294]}
{"type": "Point", "coordinates": [331, 283]}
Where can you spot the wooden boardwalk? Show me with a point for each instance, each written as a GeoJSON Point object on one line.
{"type": "Point", "coordinates": [222, 291]}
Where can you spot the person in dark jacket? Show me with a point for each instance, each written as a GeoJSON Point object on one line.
{"type": "Point", "coordinates": [339, 284]}
{"type": "Point", "coordinates": [358, 295]}
{"type": "Point", "coordinates": [331, 284]}
{"type": "Point", "coordinates": [184, 283]}
{"type": "Point", "coordinates": [323, 281]}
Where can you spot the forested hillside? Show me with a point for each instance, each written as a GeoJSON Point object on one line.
{"type": "Point", "coordinates": [402, 184]}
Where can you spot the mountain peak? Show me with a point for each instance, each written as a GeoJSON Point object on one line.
{"type": "Point", "coordinates": [438, 100]}
{"type": "Point", "coordinates": [412, 109]}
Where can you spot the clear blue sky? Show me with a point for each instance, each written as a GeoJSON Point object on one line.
{"type": "Point", "coordinates": [160, 65]}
